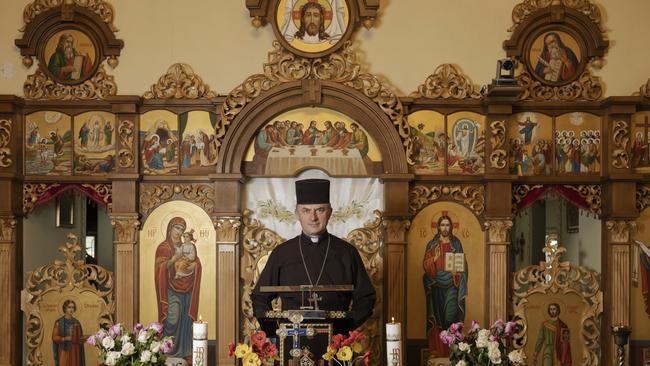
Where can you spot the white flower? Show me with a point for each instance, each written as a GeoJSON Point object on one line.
{"type": "Point", "coordinates": [145, 356]}
{"type": "Point", "coordinates": [492, 345]}
{"type": "Point", "coordinates": [108, 343]}
{"type": "Point", "coordinates": [142, 336]}
{"type": "Point", "coordinates": [464, 347]}
{"type": "Point", "coordinates": [112, 357]}
{"type": "Point", "coordinates": [154, 358]}
{"type": "Point", "coordinates": [495, 355]}
{"type": "Point", "coordinates": [155, 346]}
{"type": "Point", "coordinates": [482, 339]}
{"type": "Point", "coordinates": [124, 339]}
{"type": "Point", "coordinates": [461, 363]}
{"type": "Point", "coordinates": [128, 348]}
{"type": "Point", "coordinates": [516, 357]}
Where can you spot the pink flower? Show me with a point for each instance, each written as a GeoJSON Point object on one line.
{"type": "Point", "coordinates": [366, 358]}
{"type": "Point", "coordinates": [91, 340]}
{"type": "Point", "coordinates": [115, 331]}
{"type": "Point", "coordinates": [231, 349]}
{"type": "Point", "coordinates": [258, 338]}
{"type": "Point", "coordinates": [511, 328]}
{"type": "Point", "coordinates": [101, 334]}
{"type": "Point", "coordinates": [456, 329]}
{"type": "Point", "coordinates": [137, 327]}
{"type": "Point", "coordinates": [157, 327]}
{"type": "Point", "coordinates": [498, 326]}
{"type": "Point", "coordinates": [473, 328]}
{"type": "Point", "coordinates": [167, 346]}
{"type": "Point", "coordinates": [447, 338]}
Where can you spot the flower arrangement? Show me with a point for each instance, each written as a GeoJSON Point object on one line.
{"type": "Point", "coordinates": [343, 349]}
{"type": "Point", "coordinates": [482, 346]}
{"type": "Point", "coordinates": [143, 346]}
{"type": "Point", "coordinates": [260, 349]}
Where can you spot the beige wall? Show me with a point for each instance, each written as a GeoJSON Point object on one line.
{"type": "Point", "coordinates": [410, 39]}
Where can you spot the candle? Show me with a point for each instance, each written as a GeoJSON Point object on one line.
{"type": "Point", "coordinates": [200, 343]}
{"type": "Point", "coordinates": [393, 343]}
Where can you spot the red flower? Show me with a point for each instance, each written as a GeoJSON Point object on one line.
{"type": "Point", "coordinates": [337, 339]}
{"type": "Point", "coordinates": [269, 350]}
{"type": "Point", "coordinates": [366, 358]}
{"type": "Point", "coordinates": [356, 336]}
{"type": "Point", "coordinates": [231, 349]}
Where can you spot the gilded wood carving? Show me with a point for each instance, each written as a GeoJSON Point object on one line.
{"type": "Point", "coordinates": [645, 89]}
{"type": "Point", "coordinates": [227, 229]}
{"type": "Point", "coordinates": [89, 287]}
{"type": "Point", "coordinates": [524, 9]}
{"type": "Point", "coordinates": [568, 287]}
{"type": "Point", "coordinates": [153, 195]}
{"type": "Point", "coordinates": [102, 8]}
{"type": "Point", "coordinates": [126, 157]}
{"type": "Point", "coordinates": [620, 230]}
{"type": "Point", "coordinates": [32, 192]}
{"type": "Point", "coordinates": [642, 197]}
{"type": "Point", "coordinates": [7, 228]}
{"type": "Point", "coordinates": [498, 230]}
{"type": "Point", "coordinates": [498, 156]}
{"type": "Point", "coordinates": [470, 196]}
{"type": "Point", "coordinates": [621, 139]}
{"type": "Point", "coordinates": [104, 191]}
{"type": "Point", "coordinates": [340, 67]}
{"type": "Point", "coordinates": [396, 230]}
{"type": "Point", "coordinates": [41, 86]}
{"type": "Point", "coordinates": [447, 82]}
{"type": "Point", "coordinates": [125, 228]}
{"type": "Point", "coordinates": [5, 139]}
{"type": "Point", "coordinates": [180, 82]}
{"type": "Point", "coordinates": [258, 242]}
{"type": "Point", "coordinates": [590, 192]}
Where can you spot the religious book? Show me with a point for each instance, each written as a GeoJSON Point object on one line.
{"type": "Point", "coordinates": [455, 262]}
{"type": "Point", "coordinates": [78, 64]}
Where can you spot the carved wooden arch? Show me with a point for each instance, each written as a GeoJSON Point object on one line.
{"type": "Point", "coordinates": [470, 196]}
{"type": "Point", "coordinates": [65, 17]}
{"type": "Point", "coordinates": [315, 93]}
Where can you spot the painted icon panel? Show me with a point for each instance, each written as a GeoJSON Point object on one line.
{"type": "Point", "coordinates": [555, 58]}
{"type": "Point", "coordinates": [159, 142]}
{"type": "Point", "coordinates": [466, 143]}
{"type": "Point", "coordinates": [577, 143]}
{"type": "Point", "coordinates": [70, 56]}
{"type": "Point", "coordinates": [312, 26]}
{"type": "Point", "coordinates": [445, 244]}
{"type": "Point", "coordinates": [312, 138]}
{"type": "Point", "coordinates": [427, 129]}
{"type": "Point", "coordinates": [640, 145]}
{"type": "Point", "coordinates": [48, 144]}
{"type": "Point", "coordinates": [178, 272]}
{"type": "Point", "coordinates": [94, 143]}
{"type": "Point", "coordinates": [530, 144]}
{"type": "Point", "coordinates": [198, 148]}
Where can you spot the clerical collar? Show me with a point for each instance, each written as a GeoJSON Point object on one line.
{"type": "Point", "coordinates": [315, 239]}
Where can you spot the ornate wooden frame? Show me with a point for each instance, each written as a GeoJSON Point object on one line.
{"type": "Point", "coordinates": [564, 278]}
{"type": "Point", "coordinates": [64, 275]}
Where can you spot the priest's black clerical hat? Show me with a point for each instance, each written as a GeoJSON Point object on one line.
{"type": "Point", "coordinates": [312, 191]}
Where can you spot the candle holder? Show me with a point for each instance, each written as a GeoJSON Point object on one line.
{"type": "Point", "coordinates": [621, 336]}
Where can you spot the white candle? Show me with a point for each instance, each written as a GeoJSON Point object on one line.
{"type": "Point", "coordinates": [200, 343]}
{"type": "Point", "coordinates": [394, 343]}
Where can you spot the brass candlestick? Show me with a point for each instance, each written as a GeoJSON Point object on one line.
{"type": "Point", "coordinates": [621, 336]}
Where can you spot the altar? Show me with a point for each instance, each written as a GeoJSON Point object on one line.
{"type": "Point", "coordinates": [286, 160]}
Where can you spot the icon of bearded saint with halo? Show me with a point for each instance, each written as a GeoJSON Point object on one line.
{"type": "Point", "coordinates": [314, 21]}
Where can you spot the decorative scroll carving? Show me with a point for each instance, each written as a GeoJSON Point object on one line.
{"type": "Point", "coordinates": [586, 87]}
{"type": "Point", "coordinates": [227, 229]}
{"type": "Point", "coordinates": [5, 139]}
{"type": "Point", "coordinates": [396, 230]}
{"type": "Point", "coordinates": [258, 241]}
{"type": "Point", "coordinates": [104, 191]}
{"type": "Point", "coordinates": [527, 7]}
{"type": "Point", "coordinates": [180, 82]}
{"type": "Point", "coordinates": [498, 230]}
{"type": "Point", "coordinates": [642, 197]}
{"type": "Point", "coordinates": [7, 228]}
{"type": "Point", "coordinates": [125, 129]}
{"type": "Point", "coordinates": [40, 86]}
{"type": "Point", "coordinates": [32, 192]}
{"type": "Point", "coordinates": [645, 89]}
{"type": "Point", "coordinates": [471, 196]}
{"type": "Point", "coordinates": [100, 7]}
{"type": "Point", "coordinates": [153, 195]}
{"type": "Point", "coordinates": [125, 228]}
{"type": "Point", "coordinates": [555, 277]}
{"type": "Point", "coordinates": [620, 137]}
{"type": "Point", "coordinates": [447, 82]}
{"type": "Point", "coordinates": [498, 157]}
{"type": "Point", "coordinates": [519, 192]}
{"type": "Point", "coordinates": [620, 230]}
{"type": "Point", "coordinates": [69, 275]}
{"type": "Point", "coordinates": [591, 194]}
{"type": "Point", "coordinates": [340, 67]}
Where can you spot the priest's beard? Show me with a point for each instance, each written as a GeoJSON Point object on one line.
{"type": "Point", "coordinates": [68, 52]}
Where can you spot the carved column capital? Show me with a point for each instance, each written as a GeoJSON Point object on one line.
{"type": "Point", "coordinates": [125, 228]}
{"type": "Point", "coordinates": [7, 228]}
{"type": "Point", "coordinates": [620, 231]}
{"type": "Point", "coordinates": [227, 228]}
{"type": "Point", "coordinates": [498, 230]}
{"type": "Point", "coordinates": [396, 229]}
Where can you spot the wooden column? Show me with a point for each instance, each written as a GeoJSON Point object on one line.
{"type": "Point", "coordinates": [11, 259]}
{"type": "Point", "coordinates": [227, 286]}
{"type": "Point", "coordinates": [396, 229]}
{"type": "Point", "coordinates": [498, 240]}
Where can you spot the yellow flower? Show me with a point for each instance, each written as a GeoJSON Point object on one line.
{"type": "Point", "coordinates": [356, 347]}
{"type": "Point", "coordinates": [344, 354]}
{"type": "Point", "coordinates": [251, 359]}
{"type": "Point", "coordinates": [241, 350]}
{"type": "Point", "coordinates": [327, 356]}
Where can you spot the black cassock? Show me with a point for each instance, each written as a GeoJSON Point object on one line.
{"type": "Point", "coordinates": [343, 267]}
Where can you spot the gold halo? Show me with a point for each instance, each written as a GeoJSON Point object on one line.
{"type": "Point", "coordinates": [436, 216]}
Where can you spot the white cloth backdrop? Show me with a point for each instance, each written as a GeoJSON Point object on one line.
{"type": "Point", "coordinates": [353, 201]}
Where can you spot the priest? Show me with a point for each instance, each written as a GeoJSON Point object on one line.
{"type": "Point", "coordinates": [317, 258]}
